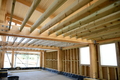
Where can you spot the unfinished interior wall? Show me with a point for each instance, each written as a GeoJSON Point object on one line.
{"type": "Point", "coordinates": [71, 64]}
{"type": "Point", "coordinates": [51, 60]}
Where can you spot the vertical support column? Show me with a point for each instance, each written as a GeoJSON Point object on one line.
{"type": "Point", "coordinates": [2, 59]}
{"type": "Point", "coordinates": [44, 59]}
{"type": "Point", "coordinates": [59, 56]}
{"type": "Point", "coordinates": [12, 59]}
{"type": "Point", "coordinates": [3, 51]}
{"type": "Point", "coordinates": [93, 61]}
{"type": "Point", "coordinates": [41, 59]}
{"type": "Point", "coordinates": [118, 59]}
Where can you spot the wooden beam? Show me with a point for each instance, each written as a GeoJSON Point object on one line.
{"type": "Point", "coordinates": [54, 6]}
{"type": "Point", "coordinates": [107, 31]}
{"type": "Point", "coordinates": [32, 46]}
{"type": "Point", "coordinates": [24, 50]}
{"type": "Point", "coordinates": [41, 59]}
{"type": "Point", "coordinates": [88, 10]}
{"type": "Point", "coordinates": [3, 10]}
{"type": "Point", "coordinates": [118, 58]}
{"type": "Point", "coordinates": [106, 37]}
{"type": "Point", "coordinates": [75, 46]}
{"type": "Point", "coordinates": [12, 63]}
{"type": "Point", "coordinates": [98, 30]}
{"type": "Point", "coordinates": [12, 11]}
{"type": "Point", "coordinates": [25, 33]}
{"type": "Point", "coordinates": [94, 24]}
{"type": "Point", "coordinates": [0, 3]}
{"type": "Point", "coordinates": [92, 17]}
{"type": "Point", "coordinates": [44, 59]}
{"type": "Point", "coordinates": [35, 3]}
{"type": "Point", "coordinates": [64, 14]}
{"type": "Point", "coordinates": [38, 8]}
{"type": "Point", "coordinates": [93, 61]}
{"type": "Point", "coordinates": [59, 56]}
{"type": "Point", "coordinates": [109, 40]}
{"type": "Point", "coordinates": [18, 18]}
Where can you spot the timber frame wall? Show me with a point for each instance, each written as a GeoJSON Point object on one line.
{"type": "Point", "coordinates": [70, 63]}
{"type": "Point", "coordinates": [67, 60]}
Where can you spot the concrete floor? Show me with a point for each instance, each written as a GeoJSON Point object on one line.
{"type": "Point", "coordinates": [36, 75]}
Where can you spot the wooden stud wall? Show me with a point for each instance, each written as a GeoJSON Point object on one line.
{"type": "Point", "coordinates": [110, 72]}
{"type": "Point", "coordinates": [71, 63]}
{"type": "Point", "coordinates": [51, 60]}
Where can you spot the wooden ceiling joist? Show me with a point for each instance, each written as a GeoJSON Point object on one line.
{"type": "Point", "coordinates": [18, 18]}
{"type": "Point", "coordinates": [106, 37]}
{"type": "Point", "coordinates": [12, 11]}
{"type": "Point", "coordinates": [112, 29]}
{"type": "Point", "coordinates": [81, 14]}
{"type": "Point", "coordinates": [0, 3]}
{"type": "Point", "coordinates": [54, 6]}
{"type": "Point", "coordinates": [38, 8]}
{"type": "Point", "coordinates": [96, 15]}
{"type": "Point", "coordinates": [94, 24]}
{"type": "Point", "coordinates": [35, 46]}
{"type": "Point", "coordinates": [71, 9]}
{"type": "Point", "coordinates": [26, 33]}
{"type": "Point", "coordinates": [3, 10]}
{"type": "Point", "coordinates": [29, 13]}
{"type": "Point", "coordinates": [99, 29]}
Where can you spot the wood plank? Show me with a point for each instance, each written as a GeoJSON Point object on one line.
{"type": "Point", "coordinates": [77, 56]}
{"type": "Point", "coordinates": [82, 13]}
{"type": "Point", "coordinates": [65, 60]}
{"type": "Point", "coordinates": [118, 59]}
{"type": "Point", "coordinates": [41, 59]}
{"type": "Point", "coordinates": [59, 56]}
{"type": "Point", "coordinates": [93, 61]}
{"type": "Point", "coordinates": [3, 10]}
{"type": "Point", "coordinates": [12, 63]}
{"type": "Point", "coordinates": [99, 22]}
{"type": "Point", "coordinates": [108, 74]}
{"type": "Point", "coordinates": [26, 33]}
{"type": "Point", "coordinates": [104, 70]}
{"type": "Point", "coordinates": [38, 8]}
{"type": "Point", "coordinates": [71, 62]}
{"type": "Point", "coordinates": [44, 59]}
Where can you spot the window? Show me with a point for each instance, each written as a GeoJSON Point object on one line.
{"type": "Point", "coordinates": [7, 60]}
{"type": "Point", "coordinates": [26, 60]}
{"type": "Point", "coordinates": [84, 55]}
{"type": "Point", "coordinates": [108, 55]}
{"type": "Point", "coordinates": [0, 38]}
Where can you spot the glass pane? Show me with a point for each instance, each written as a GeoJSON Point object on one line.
{"type": "Point", "coordinates": [32, 61]}
{"type": "Point", "coordinates": [20, 60]}
{"type": "Point", "coordinates": [84, 55]}
{"type": "Point", "coordinates": [27, 60]}
{"type": "Point", "coordinates": [0, 38]}
{"type": "Point", "coordinates": [7, 60]}
{"type": "Point", "coordinates": [108, 54]}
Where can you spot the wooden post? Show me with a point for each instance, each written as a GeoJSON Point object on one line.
{"type": "Point", "coordinates": [44, 59]}
{"type": "Point", "coordinates": [93, 61]}
{"type": "Point", "coordinates": [40, 59]}
{"type": "Point", "coordinates": [118, 58]}
{"type": "Point", "coordinates": [12, 59]}
{"type": "Point", "coordinates": [59, 56]}
{"type": "Point", "coordinates": [0, 59]}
